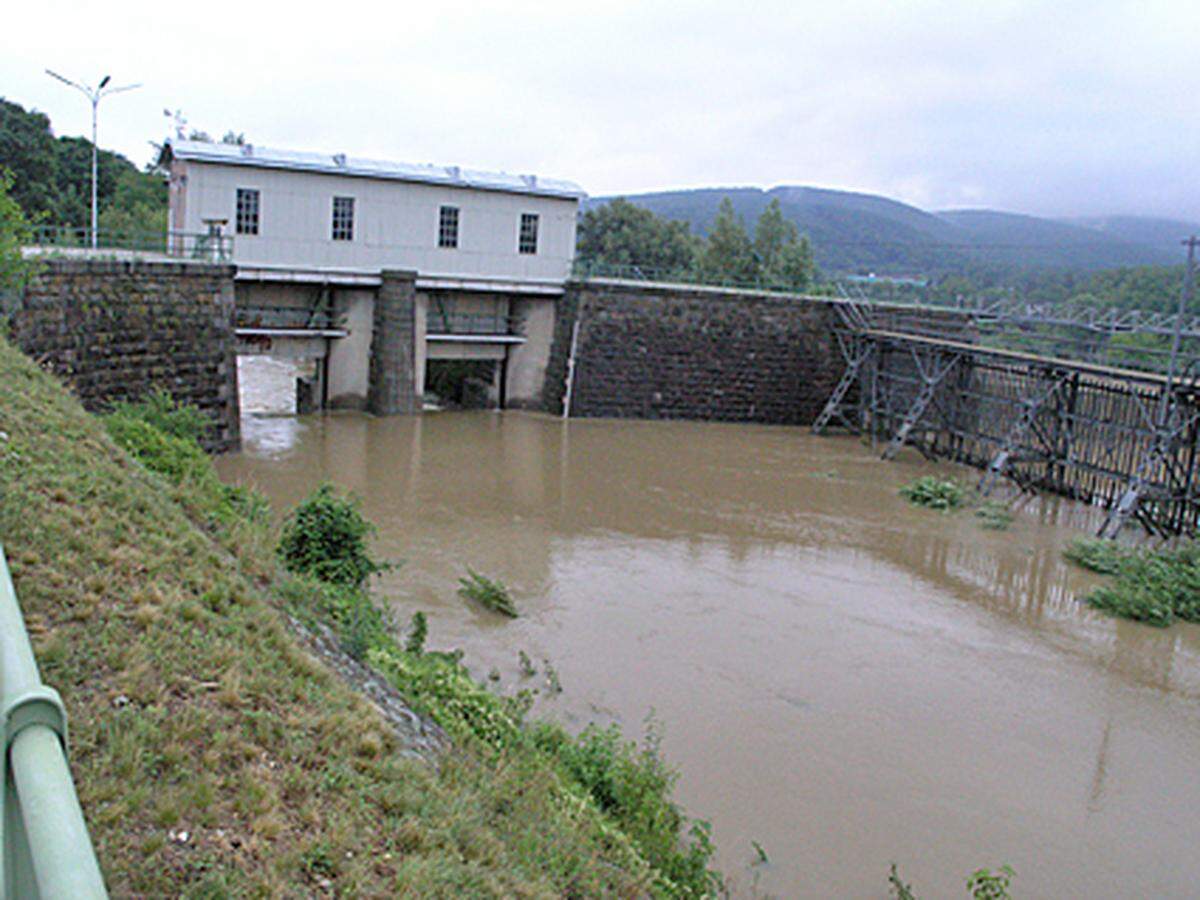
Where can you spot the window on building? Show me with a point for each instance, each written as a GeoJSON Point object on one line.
{"type": "Point", "coordinates": [343, 218]}
{"type": "Point", "coordinates": [448, 227]}
{"type": "Point", "coordinates": [527, 241]}
{"type": "Point", "coordinates": [247, 211]}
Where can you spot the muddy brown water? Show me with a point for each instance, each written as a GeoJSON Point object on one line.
{"type": "Point", "coordinates": [842, 678]}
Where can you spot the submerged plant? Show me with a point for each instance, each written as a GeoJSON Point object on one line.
{"type": "Point", "coordinates": [994, 515]}
{"type": "Point", "coordinates": [527, 668]}
{"type": "Point", "coordinates": [935, 493]}
{"type": "Point", "coordinates": [985, 884]}
{"type": "Point", "coordinates": [1151, 586]}
{"type": "Point", "coordinates": [487, 592]}
{"type": "Point", "coordinates": [1096, 554]}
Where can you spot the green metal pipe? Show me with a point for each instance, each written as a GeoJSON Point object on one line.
{"type": "Point", "coordinates": [60, 848]}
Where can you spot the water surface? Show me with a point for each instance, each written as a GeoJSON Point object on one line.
{"type": "Point", "coordinates": [843, 678]}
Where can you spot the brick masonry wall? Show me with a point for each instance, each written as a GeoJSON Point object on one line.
{"type": "Point", "coordinates": [120, 329]}
{"type": "Point", "coordinates": [684, 352]}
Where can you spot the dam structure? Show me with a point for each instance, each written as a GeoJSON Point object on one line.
{"type": "Point", "coordinates": [364, 271]}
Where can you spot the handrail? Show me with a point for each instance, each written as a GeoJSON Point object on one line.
{"type": "Point", "coordinates": [205, 246]}
{"type": "Point", "coordinates": [46, 849]}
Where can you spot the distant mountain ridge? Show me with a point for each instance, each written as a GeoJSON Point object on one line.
{"type": "Point", "coordinates": [859, 233]}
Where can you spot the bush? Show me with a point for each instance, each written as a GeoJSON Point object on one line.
{"type": "Point", "coordinates": [934, 493]}
{"type": "Point", "coordinates": [326, 537]}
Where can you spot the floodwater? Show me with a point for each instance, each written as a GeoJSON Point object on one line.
{"type": "Point", "coordinates": [842, 678]}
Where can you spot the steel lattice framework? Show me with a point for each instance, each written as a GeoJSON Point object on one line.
{"type": "Point", "coordinates": [1126, 440]}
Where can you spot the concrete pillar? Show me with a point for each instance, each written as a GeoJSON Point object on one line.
{"type": "Point", "coordinates": [392, 389]}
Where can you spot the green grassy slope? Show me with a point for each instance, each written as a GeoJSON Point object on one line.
{"type": "Point", "coordinates": [193, 709]}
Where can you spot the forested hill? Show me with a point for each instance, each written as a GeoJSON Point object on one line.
{"type": "Point", "coordinates": [853, 232]}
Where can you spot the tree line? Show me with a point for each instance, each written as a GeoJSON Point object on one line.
{"type": "Point", "coordinates": [52, 178]}
{"type": "Point", "coordinates": [623, 238]}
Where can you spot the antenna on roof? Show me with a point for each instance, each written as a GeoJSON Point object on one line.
{"type": "Point", "coordinates": [339, 159]}
{"type": "Point", "coordinates": [179, 122]}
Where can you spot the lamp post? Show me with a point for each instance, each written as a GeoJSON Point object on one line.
{"type": "Point", "coordinates": [94, 95]}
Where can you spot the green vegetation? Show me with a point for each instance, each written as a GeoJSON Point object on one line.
{"type": "Point", "coordinates": [1152, 586]}
{"type": "Point", "coordinates": [994, 515]}
{"type": "Point", "coordinates": [621, 238]}
{"type": "Point", "coordinates": [983, 884]}
{"type": "Point", "coordinates": [418, 631]}
{"type": "Point", "coordinates": [325, 536]}
{"type": "Point", "coordinates": [935, 493]}
{"type": "Point", "coordinates": [14, 233]}
{"type": "Point", "coordinates": [621, 234]}
{"type": "Point", "coordinates": [52, 179]}
{"type": "Point", "coordinates": [157, 605]}
{"type": "Point", "coordinates": [488, 593]}
{"type": "Point", "coordinates": [1097, 554]}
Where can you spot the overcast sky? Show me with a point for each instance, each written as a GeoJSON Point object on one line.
{"type": "Point", "coordinates": [1055, 108]}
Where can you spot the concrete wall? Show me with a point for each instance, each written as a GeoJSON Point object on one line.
{"type": "Point", "coordinates": [527, 362]}
{"type": "Point", "coordinates": [349, 357]}
{"type": "Point", "coordinates": [395, 222]}
{"type": "Point", "coordinates": [118, 330]}
{"type": "Point", "coordinates": [685, 352]}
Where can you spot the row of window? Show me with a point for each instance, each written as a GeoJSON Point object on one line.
{"type": "Point", "coordinates": [342, 226]}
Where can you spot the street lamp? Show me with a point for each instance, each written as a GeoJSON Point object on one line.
{"type": "Point", "coordinates": [94, 95]}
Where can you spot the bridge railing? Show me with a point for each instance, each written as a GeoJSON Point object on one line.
{"type": "Point", "coordinates": [178, 244]}
{"type": "Point", "coordinates": [46, 849]}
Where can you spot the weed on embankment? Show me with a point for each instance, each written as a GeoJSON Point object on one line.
{"type": "Point", "coordinates": [1152, 586]}
{"type": "Point", "coordinates": [215, 756]}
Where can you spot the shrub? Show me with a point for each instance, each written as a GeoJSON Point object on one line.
{"type": "Point", "coordinates": [326, 536]}
{"type": "Point", "coordinates": [933, 492]}
{"type": "Point", "coordinates": [487, 592]}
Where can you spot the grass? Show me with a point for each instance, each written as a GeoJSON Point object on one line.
{"type": "Point", "coordinates": [156, 606]}
{"type": "Point", "coordinates": [1152, 586]}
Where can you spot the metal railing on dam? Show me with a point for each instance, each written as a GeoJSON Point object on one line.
{"type": "Point", "coordinates": [46, 849]}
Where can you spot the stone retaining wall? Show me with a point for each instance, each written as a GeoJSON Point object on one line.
{"type": "Point", "coordinates": [120, 329]}
{"type": "Point", "coordinates": [684, 352]}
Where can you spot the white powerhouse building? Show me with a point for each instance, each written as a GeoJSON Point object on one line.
{"type": "Point", "coordinates": [314, 234]}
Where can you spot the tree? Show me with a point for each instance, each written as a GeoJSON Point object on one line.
{"type": "Point", "coordinates": [728, 255]}
{"type": "Point", "coordinates": [52, 178]}
{"type": "Point", "coordinates": [28, 150]}
{"type": "Point", "coordinates": [14, 234]}
{"type": "Point", "coordinates": [624, 235]}
{"type": "Point", "coordinates": [785, 259]}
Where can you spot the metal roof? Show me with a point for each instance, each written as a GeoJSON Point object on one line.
{"type": "Point", "coordinates": [340, 164]}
